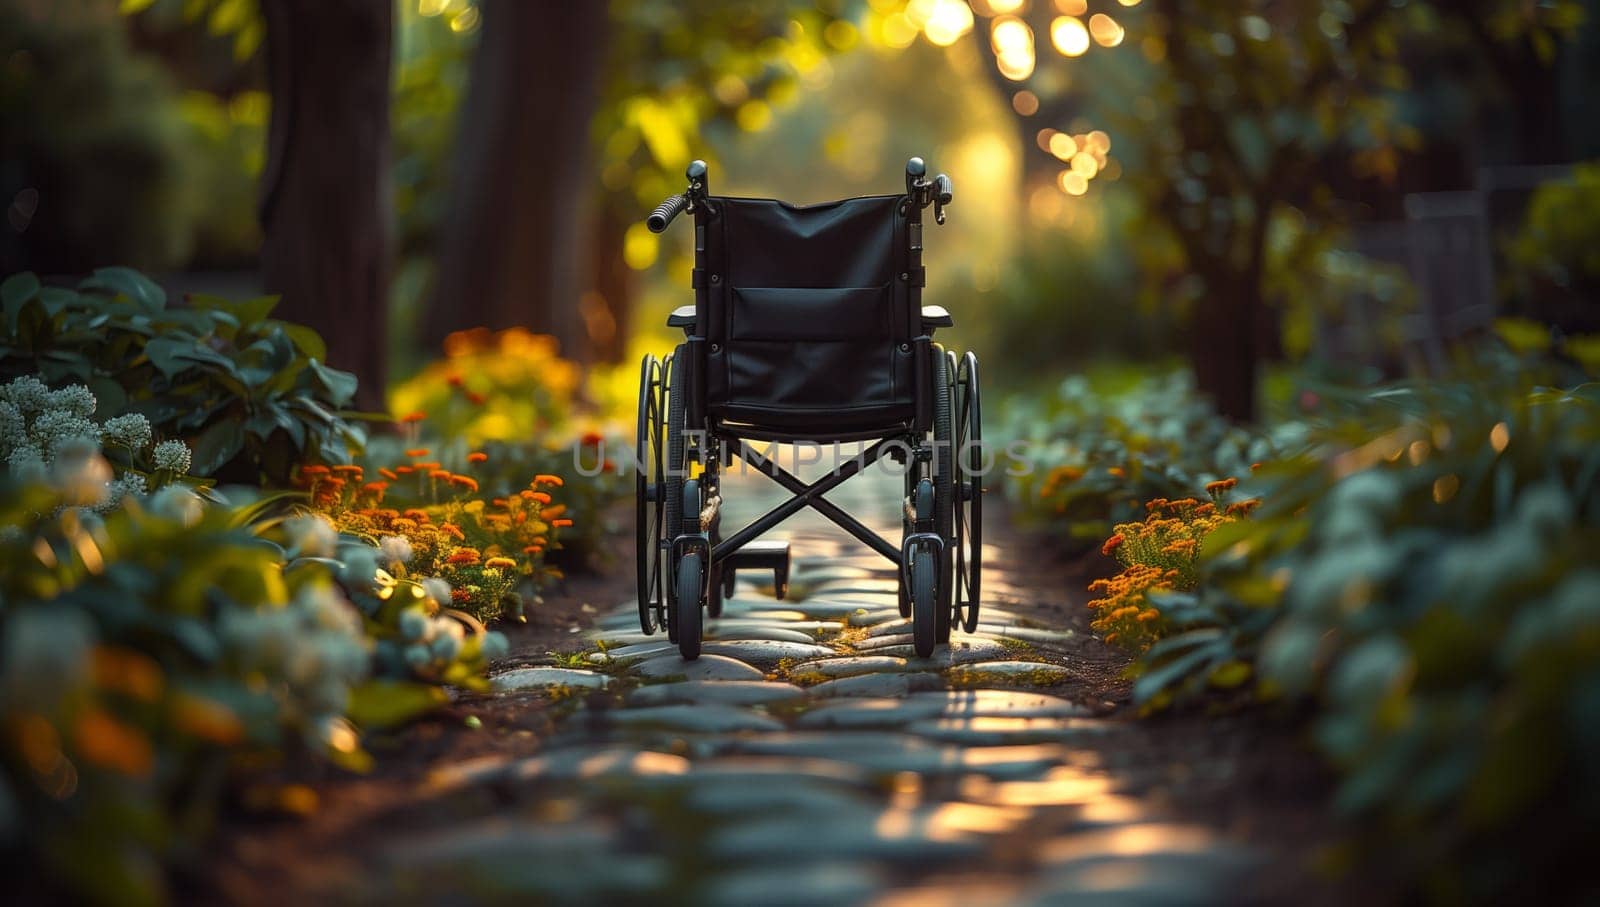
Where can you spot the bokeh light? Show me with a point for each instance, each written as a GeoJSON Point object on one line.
{"type": "Point", "coordinates": [1069, 36]}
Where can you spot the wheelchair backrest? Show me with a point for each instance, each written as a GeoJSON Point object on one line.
{"type": "Point", "coordinates": [807, 313]}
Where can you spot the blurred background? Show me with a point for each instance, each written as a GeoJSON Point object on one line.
{"type": "Point", "coordinates": [1338, 187]}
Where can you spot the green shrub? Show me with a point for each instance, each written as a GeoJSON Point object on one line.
{"type": "Point", "coordinates": [146, 655]}
{"type": "Point", "coordinates": [1426, 575]}
{"type": "Point", "coordinates": [1554, 259]}
{"type": "Point", "coordinates": [1096, 454]}
{"type": "Point", "coordinates": [248, 392]}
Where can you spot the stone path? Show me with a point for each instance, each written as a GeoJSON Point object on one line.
{"type": "Point", "coordinates": [810, 758]}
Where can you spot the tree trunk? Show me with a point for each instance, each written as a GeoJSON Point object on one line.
{"type": "Point", "coordinates": [1222, 335]}
{"type": "Point", "coordinates": [512, 250]}
{"type": "Point", "coordinates": [607, 307]}
{"type": "Point", "coordinates": [325, 193]}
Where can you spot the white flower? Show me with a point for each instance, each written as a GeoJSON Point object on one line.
{"type": "Point", "coordinates": [13, 429]}
{"type": "Point", "coordinates": [26, 462]}
{"type": "Point", "coordinates": [130, 483]}
{"type": "Point", "coordinates": [56, 429]}
{"type": "Point", "coordinates": [395, 549]}
{"type": "Point", "coordinates": [28, 394]}
{"type": "Point", "coordinates": [75, 399]}
{"type": "Point", "coordinates": [172, 455]}
{"type": "Point", "coordinates": [312, 535]}
{"type": "Point", "coordinates": [438, 590]}
{"type": "Point", "coordinates": [131, 431]}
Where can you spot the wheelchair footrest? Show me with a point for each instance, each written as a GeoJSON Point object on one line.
{"type": "Point", "coordinates": [762, 555]}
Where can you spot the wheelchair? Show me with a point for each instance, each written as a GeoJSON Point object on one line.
{"type": "Point", "coordinates": [807, 327]}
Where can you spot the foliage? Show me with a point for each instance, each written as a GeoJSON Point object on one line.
{"type": "Point", "coordinates": [1159, 554]}
{"type": "Point", "coordinates": [1425, 574]}
{"type": "Point", "coordinates": [95, 152]}
{"type": "Point", "coordinates": [1557, 251]}
{"type": "Point", "coordinates": [147, 655]}
{"type": "Point", "coordinates": [1097, 454]}
{"type": "Point", "coordinates": [250, 393]}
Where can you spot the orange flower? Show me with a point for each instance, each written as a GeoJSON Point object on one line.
{"type": "Point", "coordinates": [497, 502]}
{"type": "Point", "coordinates": [389, 474]}
{"type": "Point", "coordinates": [377, 488]}
{"type": "Point", "coordinates": [405, 470]}
{"type": "Point", "coordinates": [423, 467]}
{"type": "Point", "coordinates": [1116, 472]}
{"type": "Point", "coordinates": [1111, 544]}
{"type": "Point", "coordinates": [313, 470]}
{"type": "Point", "coordinates": [465, 556]}
{"type": "Point", "coordinates": [348, 469]}
{"type": "Point", "coordinates": [420, 516]}
{"type": "Point", "coordinates": [452, 530]}
{"type": "Point", "coordinates": [439, 474]}
{"type": "Point", "coordinates": [527, 495]}
{"type": "Point", "coordinates": [551, 513]}
{"type": "Point", "coordinates": [591, 439]}
{"type": "Point", "coordinates": [501, 563]}
{"type": "Point", "coordinates": [539, 496]}
{"type": "Point", "coordinates": [454, 380]}
{"type": "Point", "coordinates": [533, 549]}
{"type": "Point", "coordinates": [417, 416]}
{"type": "Point", "coordinates": [560, 523]}
{"type": "Point", "coordinates": [477, 456]}
{"type": "Point", "coordinates": [475, 398]}
{"type": "Point", "coordinates": [467, 482]}
{"type": "Point", "coordinates": [547, 479]}
{"type": "Point", "coordinates": [417, 452]}
{"type": "Point", "coordinates": [1221, 485]}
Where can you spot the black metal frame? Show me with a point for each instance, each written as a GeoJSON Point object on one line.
{"type": "Point", "coordinates": [713, 443]}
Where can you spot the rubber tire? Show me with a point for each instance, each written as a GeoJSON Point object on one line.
{"type": "Point", "coordinates": [944, 489]}
{"type": "Point", "coordinates": [648, 514]}
{"type": "Point", "coordinates": [675, 454]}
{"type": "Point", "coordinates": [970, 512]}
{"type": "Point", "coordinates": [688, 606]}
{"type": "Point", "coordinates": [924, 603]}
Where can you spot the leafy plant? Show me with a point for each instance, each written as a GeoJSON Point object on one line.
{"type": "Point", "coordinates": [1425, 575]}
{"type": "Point", "coordinates": [1555, 258]}
{"type": "Point", "coordinates": [146, 657]}
{"type": "Point", "coordinates": [249, 393]}
{"type": "Point", "coordinates": [1096, 455]}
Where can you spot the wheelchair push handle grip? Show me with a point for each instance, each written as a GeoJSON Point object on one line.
{"type": "Point", "coordinates": [663, 215]}
{"type": "Point", "coordinates": [943, 191]}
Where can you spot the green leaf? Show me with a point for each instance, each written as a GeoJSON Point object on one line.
{"type": "Point", "coordinates": [308, 341]}
{"type": "Point", "coordinates": [172, 355]}
{"type": "Point", "coordinates": [215, 447]}
{"type": "Point", "coordinates": [130, 283]}
{"type": "Point", "coordinates": [386, 703]}
{"type": "Point", "coordinates": [17, 289]}
{"type": "Point", "coordinates": [341, 386]}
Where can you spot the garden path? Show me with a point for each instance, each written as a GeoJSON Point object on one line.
{"type": "Point", "coordinates": [809, 757]}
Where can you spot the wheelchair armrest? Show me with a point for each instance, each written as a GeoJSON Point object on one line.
{"type": "Point", "coordinates": [682, 317]}
{"type": "Point", "coordinates": [935, 316]}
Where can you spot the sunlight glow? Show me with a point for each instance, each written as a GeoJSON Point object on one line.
{"type": "Point", "coordinates": [1012, 41]}
{"type": "Point", "coordinates": [1069, 36]}
{"type": "Point", "coordinates": [1106, 31]}
{"type": "Point", "coordinates": [946, 21]}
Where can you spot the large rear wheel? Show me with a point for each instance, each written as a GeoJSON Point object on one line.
{"type": "Point", "coordinates": [648, 490]}
{"type": "Point", "coordinates": [944, 484]}
{"type": "Point", "coordinates": [675, 469]}
{"type": "Point", "coordinates": [969, 493]}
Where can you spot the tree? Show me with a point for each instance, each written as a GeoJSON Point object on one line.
{"type": "Point", "coordinates": [511, 250]}
{"type": "Point", "coordinates": [1243, 110]}
{"type": "Point", "coordinates": [561, 95]}
{"type": "Point", "coordinates": [324, 193]}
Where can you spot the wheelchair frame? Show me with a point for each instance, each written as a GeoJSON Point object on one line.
{"type": "Point", "coordinates": [686, 568]}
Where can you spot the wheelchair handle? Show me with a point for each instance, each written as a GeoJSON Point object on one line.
{"type": "Point", "coordinates": [943, 191]}
{"type": "Point", "coordinates": [663, 215]}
